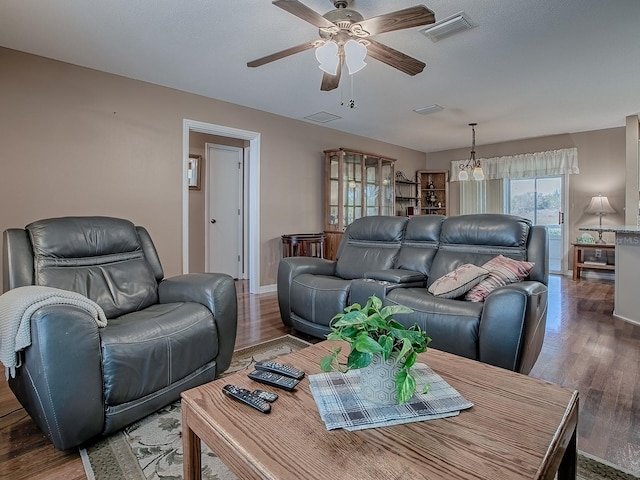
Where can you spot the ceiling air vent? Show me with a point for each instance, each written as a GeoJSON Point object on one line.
{"type": "Point", "coordinates": [449, 26]}
{"type": "Point", "coordinates": [430, 109]}
{"type": "Point", "coordinates": [322, 117]}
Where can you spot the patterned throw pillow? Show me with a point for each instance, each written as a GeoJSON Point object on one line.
{"type": "Point", "coordinates": [502, 271]}
{"type": "Point", "coordinates": [457, 283]}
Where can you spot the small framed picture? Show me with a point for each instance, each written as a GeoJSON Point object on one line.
{"type": "Point", "coordinates": [193, 171]}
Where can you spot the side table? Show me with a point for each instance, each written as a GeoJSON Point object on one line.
{"type": "Point", "coordinates": [303, 245]}
{"type": "Point", "coordinates": [578, 262]}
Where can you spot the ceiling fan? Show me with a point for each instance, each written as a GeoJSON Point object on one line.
{"type": "Point", "coordinates": [343, 31]}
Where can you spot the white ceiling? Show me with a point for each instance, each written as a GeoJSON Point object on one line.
{"type": "Point", "coordinates": [531, 67]}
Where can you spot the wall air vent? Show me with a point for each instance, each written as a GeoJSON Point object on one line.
{"type": "Point", "coordinates": [449, 26]}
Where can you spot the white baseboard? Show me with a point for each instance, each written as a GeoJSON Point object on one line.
{"type": "Point", "coordinates": [268, 288]}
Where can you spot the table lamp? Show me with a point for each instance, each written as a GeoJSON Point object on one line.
{"type": "Point", "coordinates": [600, 206]}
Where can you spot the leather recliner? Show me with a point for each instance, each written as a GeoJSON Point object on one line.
{"type": "Point", "coordinates": [398, 258]}
{"type": "Point", "coordinates": [163, 336]}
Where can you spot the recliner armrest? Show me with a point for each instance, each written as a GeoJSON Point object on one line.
{"type": "Point", "coordinates": [291, 267]}
{"type": "Point", "coordinates": [217, 292]}
{"type": "Point", "coordinates": [60, 381]}
{"type": "Point", "coordinates": [508, 339]}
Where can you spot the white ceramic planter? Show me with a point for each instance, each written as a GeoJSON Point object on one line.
{"type": "Point", "coordinates": [378, 381]}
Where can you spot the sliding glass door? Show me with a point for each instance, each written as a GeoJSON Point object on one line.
{"type": "Point", "coordinates": [541, 200]}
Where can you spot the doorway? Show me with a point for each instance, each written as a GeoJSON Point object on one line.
{"type": "Point", "coordinates": [252, 164]}
{"type": "Point", "coordinates": [541, 200]}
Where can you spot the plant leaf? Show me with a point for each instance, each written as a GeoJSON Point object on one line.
{"type": "Point", "coordinates": [326, 363]}
{"type": "Point", "coordinates": [405, 386]}
{"type": "Point", "coordinates": [365, 344]}
{"type": "Point", "coordinates": [358, 359]}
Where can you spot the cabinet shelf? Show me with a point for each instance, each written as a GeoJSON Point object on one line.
{"type": "Point", "coordinates": [434, 191]}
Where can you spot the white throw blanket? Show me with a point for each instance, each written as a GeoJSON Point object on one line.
{"type": "Point", "coordinates": [18, 305]}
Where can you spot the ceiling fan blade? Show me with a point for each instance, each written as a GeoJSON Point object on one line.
{"type": "Point", "coordinates": [284, 53]}
{"type": "Point", "coordinates": [394, 58]}
{"type": "Point", "coordinates": [300, 10]}
{"type": "Point", "coordinates": [330, 82]}
{"type": "Point", "coordinates": [407, 18]}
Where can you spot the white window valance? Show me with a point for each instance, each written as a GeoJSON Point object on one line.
{"type": "Point", "coordinates": [538, 164]}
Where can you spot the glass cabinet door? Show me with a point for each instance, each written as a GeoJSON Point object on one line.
{"type": "Point", "coordinates": [387, 184]}
{"type": "Point", "coordinates": [352, 187]}
{"type": "Point", "coordinates": [356, 185]}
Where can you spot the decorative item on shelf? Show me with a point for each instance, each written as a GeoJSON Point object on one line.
{"type": "Point", "coordinates": [600, 206]}
{"type": "Point", "coordinates": [401, 177]}
{"type": "Point", "coordinates": [371, 331]}
{"type": "Point", "coordinates": [472, 164]}
{"type": "Point", "coordinates": [430, 185]}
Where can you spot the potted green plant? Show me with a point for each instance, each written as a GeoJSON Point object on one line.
{"type": "Point", "coordinates": [371, 331]}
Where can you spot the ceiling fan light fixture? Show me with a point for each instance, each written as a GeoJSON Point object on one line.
{"type": "Point", "coordinates": [327, 55]}
{"type": "Point", "coordinates": [354, 53]}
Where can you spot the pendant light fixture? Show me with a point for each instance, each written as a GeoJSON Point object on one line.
{"type": "Point", "coordinates": [472, 164]}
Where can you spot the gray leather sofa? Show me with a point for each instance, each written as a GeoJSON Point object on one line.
{"type": "Point", "coordinates": [163, 336]}
{"type": "Point", "coordinates": [398, 258]}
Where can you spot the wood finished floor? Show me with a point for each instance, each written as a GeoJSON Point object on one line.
{"type": "Point", "coordinates": [585, 348]}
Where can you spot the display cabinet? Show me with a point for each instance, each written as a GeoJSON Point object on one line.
{"type": "Point", "coordinates": [434, 191]}
{"type": "Point", "coordinates": [357, 184]}
{"type": "Point", "coordinates": [406, 195]}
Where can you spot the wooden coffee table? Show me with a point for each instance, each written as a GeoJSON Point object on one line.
{"type": "Point", "coordinates": [519, 428]}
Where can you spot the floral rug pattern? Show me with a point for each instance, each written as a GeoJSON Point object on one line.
{"type": "Point", "coordinates": [152, 447]}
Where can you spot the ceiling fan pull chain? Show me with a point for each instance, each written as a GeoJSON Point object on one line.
{"type": "Point", "coordinates": [352, 102]}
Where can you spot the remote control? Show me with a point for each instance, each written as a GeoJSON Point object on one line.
{"type": "Point", "coordinates": [280, 368]}
{"type": "Point", "coordinates": [268, 396]}
{"type": "Point", "coordinates": [273, 379]}
{"type": "Point", "coordinates": [245, 396]}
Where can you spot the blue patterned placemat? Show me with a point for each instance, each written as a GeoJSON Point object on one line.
{"type": "Point", "coordinates": [341, 405]}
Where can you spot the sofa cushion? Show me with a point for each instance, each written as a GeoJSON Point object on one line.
{"type": "Point", "coordinates": [99, 257]}
{"type": "Point", "coordinates": [459, 281]}
{"type": "Point", "coordinates": [145, 351]}
{"type": "Point", "coordinates": [453, 325]}
{"type": "Point", "coordinates": [420, 243]}
{"type": "Point", "coordinates": [318, 298]}
{"type": "Point", "coordinates": [370, 244]}
{"type": "Point", "coordinates": [502, 271]}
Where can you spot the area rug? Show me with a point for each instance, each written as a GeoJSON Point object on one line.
{"type": "Point", "coordinates": [151, 449]}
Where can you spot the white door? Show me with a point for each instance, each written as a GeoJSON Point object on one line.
{"type": "Point", "coordinates": [224, 248]}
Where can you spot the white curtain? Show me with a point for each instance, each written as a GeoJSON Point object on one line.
{"type": "Point", "coordinates": [538, 164]}
{"type": "Point", "coordinates": [481, 196]}
{"type": "Point", "coordinates": [486, 196]}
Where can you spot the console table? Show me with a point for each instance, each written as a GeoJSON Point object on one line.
{"type": "Point", "coordinates": [303, 245]}
{"type": "Point", "coordinates": [578, 255]}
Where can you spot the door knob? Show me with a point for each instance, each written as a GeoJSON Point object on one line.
{"type": "Point", "coordinates": [213, 220]}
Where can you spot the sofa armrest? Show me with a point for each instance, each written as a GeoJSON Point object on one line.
{"type": "Point", "coordinates": [217, 292]}
{"type": "Point", "coordinates": [60, 380]}
{"type": "Point", "coordinates": [399, 276]}
{"type": "Point", "coordinates": [291, 267]}
{"type": "Point", "coordinates": [512, 326]}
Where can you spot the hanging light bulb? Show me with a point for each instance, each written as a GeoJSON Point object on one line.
{"type": "Point", "coordinates": [327, 55]}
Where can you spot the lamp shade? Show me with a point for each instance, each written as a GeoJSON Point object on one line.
{"type": "Point", "coordinates": [600, 206]}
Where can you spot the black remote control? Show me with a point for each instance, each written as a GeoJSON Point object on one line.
{"type": "Point", "coordinates": [273, 379]}
{"type": "Point", "coordinates": [280, 368]}
{"type": "Point", "coordinates": [245, 396]}
{"type": "Point", "coordinates": [268, 396]}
